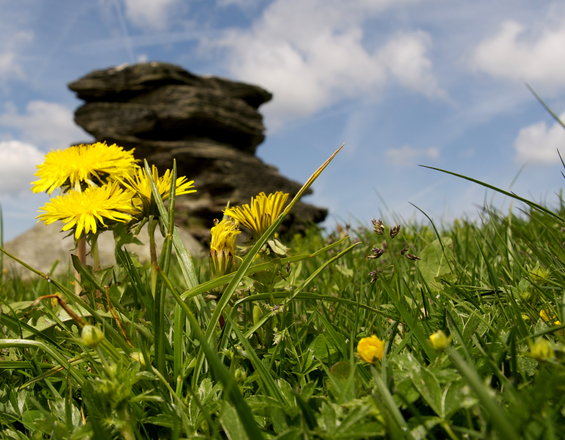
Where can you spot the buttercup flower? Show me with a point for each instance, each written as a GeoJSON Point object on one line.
{"type": "Point", "coordinates": [222, 245]}
{"type": "Point", "coordinates": [88, 210]}
{"type": "Point", "coordinates": [371, 349]}
{"type": "Point", "coordinates": [541, 349]}
{"type": "Point", "coordinates": [81, 166]}
{"type": "Point", "coordinates": [549, 317]}
{"type": "Point", "coordinates": [439, 340]}
{"type": "Point", "coordinates": [260, 213]}
{"type": "Point", "coordinates": [138, 182]}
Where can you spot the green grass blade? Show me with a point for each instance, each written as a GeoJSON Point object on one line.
{"type": "Point", "coordinates": [493, 409]}
{"type": "Point", "coordinates": [231, 388]}
{"type": "Point", "coordinates": [506, 193]}
{"type": "Point", "coordinates": [248, 260]}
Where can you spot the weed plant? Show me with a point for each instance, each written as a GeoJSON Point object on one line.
{"type": "Point", "coordinates": [272, 349]}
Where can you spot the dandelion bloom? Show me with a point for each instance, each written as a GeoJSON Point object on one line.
{"type": "Point", "coordinates": [139, 183]}
{"type": "Point", "coordinates": [371, 348]}
{"type": "Point", "coordinates": [222, 245]}
{"type": "Point", "coordinates": [439, 340]}
{"type": "Point", "coordinates": [86, 211]}
{"type": "Point", "coordinates": [260, 213]}
{"type": "Point", "coordinates": [81, 166]}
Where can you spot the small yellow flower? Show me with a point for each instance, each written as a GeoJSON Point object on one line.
{"type": "Point", "coordinates": [439, 340]}
{"type": "Point", "coordinates": [138, 357]}
{"type": "Point", "coordinates": [260, 213]}
{"type": "Point", "coordinates": [541, 349]}
{"type": "Point", "coordinates": [138, 182]}
{"type": "Point", "coordinates": [549, 317]}
{"type": "Point", "coordinates": [91, 335]}
{"type": "Point", "coordinates": [222, 245]}
{"type": "Point", "coordinates": [88, 210]}
{"type": "Point", "coordinates": [81, 166]}
{"type": "Point", "coordinates": [371, 349]}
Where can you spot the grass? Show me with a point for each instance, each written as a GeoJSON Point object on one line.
{"type": "Point", "coordinates": [269, 351]}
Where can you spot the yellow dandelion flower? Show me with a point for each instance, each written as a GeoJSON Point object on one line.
{"type": "Point", "coordinates": [222, 245]}
{"type": "Point", "coordinates": [260, 213]}
{"type": "Point", "coordinates": [139, 183]}
{"type": "Point", "coordinates": [439, 340]}
{"type": "Point", "coordinates": [371, 349]}
{"type": "Point", "coordinates": [88, 210]}
{"type": "Point", "coordinates": [80, 166]}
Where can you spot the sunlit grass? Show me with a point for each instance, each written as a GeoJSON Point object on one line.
{"type": "Point", "coordinates": [470, 315]}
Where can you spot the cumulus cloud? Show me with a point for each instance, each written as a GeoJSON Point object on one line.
{"type": "Point", "coordinates": [10, 60]}
{"type": "Point", "coordinates": [314, 53]}
{"type": "Point", "coordinates": [151, 13]}
{"type": "Point", "coordinates": [47, 124]}
{"type": "Point", "coordinates": [538, 143]}
{"type": "Point", "coordinates": [18, 161]}
{"type": "Point", "coordinates": [535, 59]}
{"type": "Point", "coordinates": [405, 56]}
{"type": "Point", "coordinates": [408, 155]}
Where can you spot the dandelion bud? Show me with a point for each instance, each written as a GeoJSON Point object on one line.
{"type": "Point", "coordinates": [91, 335]}
{"type": "Point", "coordinates": [240, 375]}
{"type": "Point", "coordinates": [541, 349]}
{"type": "Point", "coordinates": [439, 340]}
{"type": "Point", "coordinates": [371, 349]}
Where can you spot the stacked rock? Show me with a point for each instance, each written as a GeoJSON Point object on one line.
{"type": "Point", "coordinates": [209, 125]}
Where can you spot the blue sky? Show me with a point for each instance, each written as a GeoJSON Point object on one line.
{"type": "Point", "coordinates": [399, 82]}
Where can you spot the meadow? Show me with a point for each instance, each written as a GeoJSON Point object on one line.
{"type": "Point", "coordinates": [382, 330]}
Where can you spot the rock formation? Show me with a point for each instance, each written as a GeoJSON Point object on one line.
{"type": "Point", "coordinates": [210, 125]}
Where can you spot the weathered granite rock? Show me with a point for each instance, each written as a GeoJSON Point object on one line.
{"type": "Point", "coordinates": [209, 125]}
{"type": "Point", "coordinates": [44, 247]}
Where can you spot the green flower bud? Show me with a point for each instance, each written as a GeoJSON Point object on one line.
{"type": "Point", "coordinates": [91, 335]}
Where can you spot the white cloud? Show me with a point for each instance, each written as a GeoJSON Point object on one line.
{"type": "Point", "coordinates": [47, 124]}
{"type": "Point", "coordinates": [405, 56]}
{"type": "Point", "coordinates": [151, 13]}
{"type": "Point", "coordinates": [10, 63]}
{"type": "Point", "coordinates": [537, 60]}
{"type": "Point", "coordinates": [407, 155]}
{"type": "Point", "coordinates": [18, 161]}
{"type": "Point", "coordinates": [539, 143]}
{"type": "Point", "coordinates": [313, 53]}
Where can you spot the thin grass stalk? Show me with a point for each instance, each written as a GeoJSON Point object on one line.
{"type": "Point", "coordinates": [51, 351]}
{"type": "Point", "coordinates": [493, 409]}
{"type": "Point", "coordinates": [302, 286]}
{"type": "Point", "coordinates": [397, 426]}
{"type": "Point", "coordinates": [185, 259]}
{"type": "Point", "coordinates": [506, 193]}
{"type": "Point", "coordinates": [259, 267]}
{"type": "Point", "coordinates": [248, 260]}
{"type": "Point", "coordinates": [166, 254]}
{"type": "Point", "coordinates": [231, 388]}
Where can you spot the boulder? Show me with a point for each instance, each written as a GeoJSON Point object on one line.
{"type": "Point", "coordinates": [47, 249]}
{"type": "Point", "coordinates": [210, 126]}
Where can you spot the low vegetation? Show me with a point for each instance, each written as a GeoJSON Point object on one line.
{"type": "Point", "coordinates": [382, 330]}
